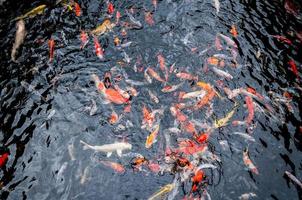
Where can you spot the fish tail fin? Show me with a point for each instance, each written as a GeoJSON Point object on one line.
{"type": "Point", "coordinates": [86, 146]}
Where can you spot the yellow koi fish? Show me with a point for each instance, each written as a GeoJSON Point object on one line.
{"type": "Point", "coordinates": [222, 122]}
{"type": "Point", "coordinates": [151, 139]}
{"type": "Point", "coordinates": [103, 28]}
{"type": "Point", "coordinates": [36, 11]}
{"type": "Point", "coordinates": [167, 188]}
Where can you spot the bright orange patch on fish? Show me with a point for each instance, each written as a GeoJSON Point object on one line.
{"type": "Point", "coordinates": [110, 8]}
{"type": "Point", "coordinates": [115, 166]}
{"type": "Point", "coordinates": [213, 61]}
{"type": "Point", "coordinates": [151, 139]}
{"type": "Point", "coordinates": [115, 97]}
{"type": "Point", "coordinates": [196, 179]}
{"type": "Point", "coordinates": [113, 118]}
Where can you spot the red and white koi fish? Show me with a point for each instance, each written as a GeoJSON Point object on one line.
{"type": "Point", "coordinates": [162, 65]}
{"type": "Point", "coordinates": [117, 17]}
{"type": "Point", "coordinates": [171, 88]}
{"type": "Point", "coordinates": [84, 39]}
{"type": "Point", "coordinates": [282, 39]}
{"type": "Point", "coordinates": [250, 107]}
{"type": "Point", "coordinates": [98, 49]}
{"type": "Point", "coordinates": [154, 74]}
{"type": "Point", "coordinates": [247, 161]}
{"type": "Point", "coordinates": [186, 76]}
{"type": "Point", "coordinates": [149, 18]}
{"type": "Point", "coordinates": [51, 45]}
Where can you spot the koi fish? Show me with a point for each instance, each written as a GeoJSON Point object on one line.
{"type": "Point", "coordinates": [153, 96]}
{"type": "Point", "coordinates": [186, 76]}
{"type": "Point", "coordinates": [245, 136]}
{"type": "Point", "coordinates": [149, 18]}
{"type": "Point", "coordinates": [293, 67]}
{"type": "Point", "coordinates": [154, 167]}
{"type": "Point", "coordinates": [77, 9]}
{"type": "Point", "coordinates": [195, 94]}
{"type": "Point", "coordinates": [222, 122]}
{"type": "Point", "coordinates": [51, 44]}
{"type": "Point", "coordinates": [228, 40]}
{"type": "Point", "coordinates": [151, 139]}
{"type": "Point", "coordinates": [110, 8]}
{"type": "Point", "coordinates": [38, 10]}
{"type": "Point", "coordinates": [109, 148]}
{"type": "Point", "coordinates": [98, 49]}
{"type": "Point", "coordinates": [188, 147]}
{"type": "Point", "coordinates": [233, 31]}
{"type": "Point", "coordinates": [162, 65]}
{"type": "Point", "coordinates": [222, 73]}
{"type": "Point", "coordinates": [216, 5]}
{"type": "Point", "coordinates": [154, 74]}
{"type": "Point", "coordinates": [293, 178]}
{"type": "Point", "coordinates": [282, 39]}
{"type": "Point", "coordinates": [250, 107]}
{"type": "Point", "coordinates": [291, 7]}
{"type": "Point", "coordinates": [196, 179]}
{"type": "Point", "coordinates": [115, 166]}
{"type": "Point", "coordinates": [154, 2]}
{"type": "Point", "coordinates": [169, 88]}
{"type": "Point", "coordinates": [247, 161]}
{"type": "Point", "coordinates": [137, 162]}
{"type": "Point", "coordinates": [247, 196]}
{"type": "Point", "coordinates": [167, 188]}
{"type": "Point", "coordinates": [202, 138]}
{"type": "Point", "coordinates": [113, 118]}
{"type": "Point", "coordinates": [103, 28]}
{"type": "Point", "coordinates": [3, 159]}
{"type": "Point", "coordinates": [19, 39]}
{"type": "Point", "coordinates": [84, 39]}
{"type": "Point", "coordinates": [218, 43]}
{"type": "Point", "coordinates": [148, 117]}
{"type": "Point", "coordinates": [213, 60]}
{"type": "Point", "coordinates": [178, 114]}
{"type": "Point", "coordinates": [115, 96]}
{"type": "Point", "coordinates": [117, 17]}
{"type": "Point", "coordinates": [136, 24]}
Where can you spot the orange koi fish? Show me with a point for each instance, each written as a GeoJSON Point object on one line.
{"type": "Point", "coordinates": [98, 49]}
{"type": "Point", "coordinates": [196, 179]}
{"type": "Point", "coordinates": [137, 162]}
{"type": "Point", "coordinates": [115, 97]}
{"type": "Point", "coordinates": [115, 166]}
{"type": "Point", "coordinates": [247, 161]}
{"type": "Point", "coordinates": [293, 67]}
{"type": "Point", "coordinates": [213, 61]}
{"type": "Point", "coordinates": [110, 8]}
{"type": "Point", "coordinates": [84, 39]}
{"type": "Point", "coordinates": [186, 76]}
{"type": "Point", "coordinates": [162, 65]}
{"type": "Point", "coordinates": [51, 45]}
{"type": "Point", "coordinates": [178, 114]}
{"type": "Point", "coordinates": [233, 31]}
{"type": "Point", "coordinates": [155, 75]}
{"type": "Point", "coordinates": [148, 117]}
{"type": "Point", "coordinates": [151, 139]}
{"type": "Point", "coordinates": [149, 18]}
{"type": "Point", "coordinates": [77, 9]}
{"type": "Point", "coordinates": [250, 107]}
{"type": "Point", "coordinates": [202, 138]}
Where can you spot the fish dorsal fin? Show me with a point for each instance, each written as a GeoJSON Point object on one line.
{"type": "Point", "coordinates": [119, 152]}
{"type": "Point", "coordinates": [109, 154]}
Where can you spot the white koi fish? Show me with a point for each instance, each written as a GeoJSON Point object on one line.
{"type": "Point", "coordinates": [216, 5]}
{"type": "Point", "coordinates": [109, 148]}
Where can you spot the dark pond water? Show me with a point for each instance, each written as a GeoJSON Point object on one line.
{"type": "Point", "coordinates": [46, 106]}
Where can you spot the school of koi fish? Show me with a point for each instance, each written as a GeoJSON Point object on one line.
{"type": "Point", "coordinates": [184, 113]}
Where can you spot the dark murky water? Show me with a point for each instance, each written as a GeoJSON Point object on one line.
{"type": "Point", "coordinates": [39, 164]}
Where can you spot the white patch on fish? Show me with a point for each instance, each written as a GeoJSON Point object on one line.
{"type": "Point", "coordinates": [216, 5]}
